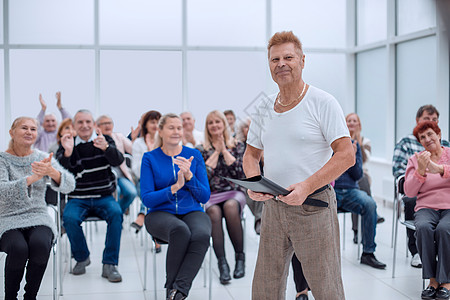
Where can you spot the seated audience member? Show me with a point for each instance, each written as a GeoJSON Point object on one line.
{"type": "Point", "coordinates": [231, 121]}
{"type": "Point", "coordinates": [428, 178]}
{"type": "Point", "coordinates": [142, 144]}
{"type": "Point", "coordinates": [48, 124]}
{"type": "Point", "coordinates": [351, 198]}
{"type": "Point", "coordinates": [26, 228]}
{"type": "Point", "coordinates": [175, 213]}
{"type": "Point", "coordinates": [90, 156]}
{"type": "Point", "coordinates": [354, 127]}
{"type": "Point", "coordinates": [66, 126]}
{"type": "Point", "coordinates": [403, 150]}
{"type": "Point", "coordinates": [255, 206]}
{"type": "Point", "coordinates": [223, 158]}
{"type": "Point", "coordinates": [126, 188]}
{"type": "Point", "coordinates": [191, 136]}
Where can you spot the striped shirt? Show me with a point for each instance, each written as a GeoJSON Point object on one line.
{"type": "Point", "coordinates": [91, 167]}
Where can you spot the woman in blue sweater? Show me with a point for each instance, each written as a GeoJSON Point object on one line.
{"type": "Point", "coordinates": [174, 184]}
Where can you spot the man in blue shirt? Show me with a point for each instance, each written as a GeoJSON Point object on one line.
{"type": "Point", "coordinates": [351, 198]}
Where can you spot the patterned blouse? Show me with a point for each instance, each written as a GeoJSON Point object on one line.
{"type": "Point", "coordinates": [216, 183]}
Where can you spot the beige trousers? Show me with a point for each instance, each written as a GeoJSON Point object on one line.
{"type": "Point", "coordinates": [313, 234]}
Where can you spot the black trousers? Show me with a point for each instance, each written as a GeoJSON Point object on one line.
{"type": "Point", "coordinates": [24, 245]}
{"type": "Point", "coordinates": [188, 237]}
{"type": "Point", "coordinates": [299, 278]}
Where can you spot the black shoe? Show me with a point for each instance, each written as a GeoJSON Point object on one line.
{"type": "Point", "coordinates": [224, 270]}
{"type": "Point", "coordinates": [136, 226]}
{"type": "Point", "coordinates": [429, 293]}
{"type": "Point", "coordinates": [370, 260]}
{"type": "Point", "coordinates": [442, 293]}
{"type": "Point", "coordinates": [302, 297]}
{"type": "Point", "coordinates": [355, 237]}
{"type": "Point", "coordinates": [239, 268]}
{"type": "Point", "coordinates": [176, 295]}
{"type": "Point", "coordinates": [380, 219]}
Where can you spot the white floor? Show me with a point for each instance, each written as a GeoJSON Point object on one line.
{"type": "Point", "coordinates": [360, 281]}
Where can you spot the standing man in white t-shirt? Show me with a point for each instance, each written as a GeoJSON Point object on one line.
{"type": "Point", "coordinates": [298, 129]}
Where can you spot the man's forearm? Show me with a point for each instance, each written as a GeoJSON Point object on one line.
{"type": "Point", "coordinates": [250, 166]}
{"type": "Point", "coordinates": [334, 168]}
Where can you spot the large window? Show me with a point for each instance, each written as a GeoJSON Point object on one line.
{"type": "Point", "coordinates": [224, 80]}
{"type": "Point", "coordinates": [45, 72]}
{"type": "Point", "coordinates": [415, 15]}
{"type": "Point", "coordinates": [140, 22]}
{"type": "Point", "coordinates": [317, 23]}
{"type": "Point", "coordinates": [416, 81]}
{"type": "Point", "coordinates": [51, 22]}
{"type": "Point", "coordinates": [133, 82]}
{"type": "Point", "coordinates": [233, 23]}
{"type": "Point", "coordinates": [372, 106]}
{"type": "Point", "coordinates": [371, 21]}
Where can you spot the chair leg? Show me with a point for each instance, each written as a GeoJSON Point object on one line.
{"type": "Point", "coordinates": [55, 274]}
{"type": "Point", "coordinates": [343, 231]}
{"type": "Point", "coordinates": [394, 258]}
{"type": "Point", "coordinates": [154, 269]}
{"type": "Point", "coordinates": [210, 268]}
{"type": "Point", "coordinates": [359, 237]}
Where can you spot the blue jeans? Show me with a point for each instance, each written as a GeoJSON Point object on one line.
{"type": "Point", "coordinates": [127, 192]}
{"type": "Point", "coordinates": [358, 202]}
{"type": "Point", "coordinates": [106, 208]}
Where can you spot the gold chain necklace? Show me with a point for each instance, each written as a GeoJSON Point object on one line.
{"type": "Point", "coordinates": [286, 105]}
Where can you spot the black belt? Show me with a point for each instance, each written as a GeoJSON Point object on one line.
{"type": "Point", "coordinates": [314, 202]}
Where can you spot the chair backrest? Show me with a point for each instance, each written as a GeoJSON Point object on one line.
{"type": "Point", "coordinates": [128, 159]}
{"type": "Point", "coordinates": [51, 197]}
{"type": "Point", "coordinates": [401, 184]}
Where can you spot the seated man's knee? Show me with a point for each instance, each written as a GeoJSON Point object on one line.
{"type": "Point", "coordinates": [70, 218]}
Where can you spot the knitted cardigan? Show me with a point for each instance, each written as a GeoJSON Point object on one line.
{"type": "Point", "coordinates": [23, 206]}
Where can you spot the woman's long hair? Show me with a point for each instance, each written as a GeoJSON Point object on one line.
{"type": "Point", "coordinates": [230, 142]}
{"type": "Point", "coordinates": [356, 135]}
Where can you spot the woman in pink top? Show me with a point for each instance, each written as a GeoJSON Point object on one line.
{"type": "Point", "coordinates": [428, 178]}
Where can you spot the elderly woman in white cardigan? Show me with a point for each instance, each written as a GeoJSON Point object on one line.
{"type": "Point", "coordinates": [26, 229]}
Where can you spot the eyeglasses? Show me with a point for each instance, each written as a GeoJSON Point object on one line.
{"type": "Point", "coordinates": [105, 123]}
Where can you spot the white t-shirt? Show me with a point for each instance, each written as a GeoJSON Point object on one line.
{"type": "Point", "coordinates": [297, 143]}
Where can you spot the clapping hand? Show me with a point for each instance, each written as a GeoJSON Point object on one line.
{"type": "Point", "coordinates": [67, 143]}
{"type": "Point", "coordinates": [423, 160]}
{"type": "Point", "coordinates": [185, 166]}
{"type": "Point", "coordinates": [58, 100]}
{"type": "Point", "coordinates": [43, 167]}
{"type": "Point", "coordinates": [43, 104]}
{"type": "Point", "coordinates": [219, 145]}
{"type": "Point", "coordinates": [355, 146]}
{"type": "Point", "coordinates": [100, 141]}
{"type": "Point", "coordinates": [434, 168]}
{"type": "Point", "coordinates": [135, 132]}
